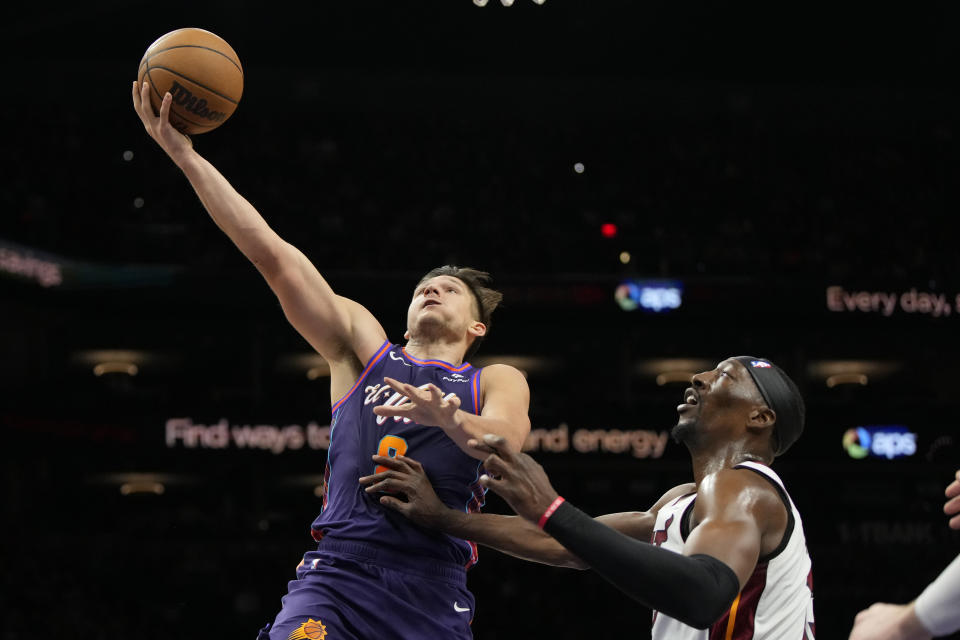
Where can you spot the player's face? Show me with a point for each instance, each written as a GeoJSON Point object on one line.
{"type": "Point", "coordinates": [442, 301]}
{"type": "Point", "coordinates": [717, 400]}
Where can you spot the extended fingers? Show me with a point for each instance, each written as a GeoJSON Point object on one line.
{"type": "Point", "coordinates": [381, 475]}
{"type": "Point", "coordinates": [494, 465]}
{"type": "Point", "coordinates": [165, 103]}
{"type": "Point", "coordinates": [401, 410]}
{"type": "Point", "coordinates": [953, 489]}
{"type": "Point", "coordinates": [146, 108]}
{"type": "Point", "coordinates": [491, 482]}
{"type": "Point", "coordinates": [395, 504]}
{"type": "Point", "coordinates": [397, 463]}
{"type": "Point", "coordinates": [499, 445]}
{"type": "Point", "coordinates": [372, 478]}
{"type": "Point", "coordinates": [388, 484]}
{"type": "Point", "coordinates": [141, 95]}
{"type": "Point", "coordinates": [479, 445]}
{"type": "Point", "coordinates": [402, 387]}
{"type": "Point", "coordinates": [952, 507]}
{"type": "Point", "coordinates": [415, 465]}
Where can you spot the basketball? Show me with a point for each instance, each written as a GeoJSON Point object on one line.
{"type": "Point", "coordinates": [202, 73]}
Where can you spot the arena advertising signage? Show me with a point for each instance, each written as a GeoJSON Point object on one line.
{"type": "Point", "coordinates": [886, 441]}
{"type": "Point", "coordinates": [40, 268]}
{"type": "Point", "coordinates": [656, 296]}
{"type": "Point", "coordinates": [222, 435]}
{"type": "Point", "coordinates": [887, 303]}
{"type": "Point", "coordinates": [56, 272]}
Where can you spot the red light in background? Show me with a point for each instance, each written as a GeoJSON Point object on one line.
{"type": "Point", "coordinates": [608, 230]}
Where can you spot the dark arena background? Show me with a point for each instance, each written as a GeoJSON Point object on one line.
{"type": "Point", "coordinates": [655, 186]}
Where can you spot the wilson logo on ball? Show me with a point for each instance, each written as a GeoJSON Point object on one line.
{"type": "Point", "coordinates": [183, 98]}
{"type": "Point", "coordinates": [202, 73]}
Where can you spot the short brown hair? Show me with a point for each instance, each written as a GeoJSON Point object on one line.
{"type": "Point", "coordinates": [477, 282]}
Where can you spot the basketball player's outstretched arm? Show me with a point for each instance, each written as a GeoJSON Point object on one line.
{"type": "Point", "coordinates": [512, 535]}
{"type": "Point", "coordinates": [735, 510]}
{"type": "Point", "coordinates": [341, 330]}
{"type": "Point", "coordinates": [505, 404]}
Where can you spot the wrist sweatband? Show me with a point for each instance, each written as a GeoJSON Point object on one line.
{"type": "Point", "coordinates": [696, 590]}
{"type": "Point", "coordinates": [549, 512]}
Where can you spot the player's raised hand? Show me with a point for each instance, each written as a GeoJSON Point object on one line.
{"type": "Point", "coordinates": [427, 407]}
{"type": "Point", "coordinates": [170, 140]}
{"type": "Point", "coordinates": [952, 507]}
{"type": "Point", "coordinates": [405, 476]}
{"type": "Point", "coordinates": [516, 477]}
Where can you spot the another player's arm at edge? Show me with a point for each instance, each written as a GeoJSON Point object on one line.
{"type": "Point", "coordinates": [341, 330]}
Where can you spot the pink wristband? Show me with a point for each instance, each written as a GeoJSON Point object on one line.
{"type": "Point", "coordinates": [549, 512]}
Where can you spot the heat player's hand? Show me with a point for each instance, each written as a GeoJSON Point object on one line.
{"type": "Point", "coordinates": [952, 507]}
{"type": "Point", "coordinates": [427, 407]}
{"type": "Point", "coordinates": [406, 476]}
{"type": "Point", "coordinates": [170, 140]}
{"type": "Point", "coordinates": [516, 477]}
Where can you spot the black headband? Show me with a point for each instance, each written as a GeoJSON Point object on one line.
{"type": "Point", "coordinates": [781, 395]}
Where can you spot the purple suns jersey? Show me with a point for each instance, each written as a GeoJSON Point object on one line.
{"type": "Point", "coordinates": [351, 514]}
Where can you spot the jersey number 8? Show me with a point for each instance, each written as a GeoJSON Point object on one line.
{"type": "Point", "coordinates": [390, 447]}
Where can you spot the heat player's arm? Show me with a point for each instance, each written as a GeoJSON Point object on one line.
{"type": "Point", "coordinates": [734, 509]}
{"type": "Point", "coordinates": [505, 399]}
{"type": "Point", "coordinates": [520, 538]}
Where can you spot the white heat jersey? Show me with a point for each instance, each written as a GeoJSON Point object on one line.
{"type": "Point", "coordinates": [776, 603]}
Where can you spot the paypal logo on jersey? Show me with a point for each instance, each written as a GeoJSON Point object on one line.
{"type": "Point", "coordinates": [888, 441]}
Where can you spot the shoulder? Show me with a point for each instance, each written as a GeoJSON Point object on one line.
{"type": "Point", "coordinates": [734, 494]}
{"type": "Point", "coordinates": [502, 376]}
{"type": "Point", "coordinates": [677, 492]}
{"type": "Point", "coordinates": [503, 388]}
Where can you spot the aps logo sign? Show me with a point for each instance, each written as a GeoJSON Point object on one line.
{"type": "Point", "coordinates": [892, 441]}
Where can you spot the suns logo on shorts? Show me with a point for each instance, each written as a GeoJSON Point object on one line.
{"type": "Point", "coordinates": [309, 630]}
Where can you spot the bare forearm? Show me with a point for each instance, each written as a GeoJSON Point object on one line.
{"type": "Point", "coordinates": [508, 534]}
{"type": "Point", "coordinates": [235, 216]}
